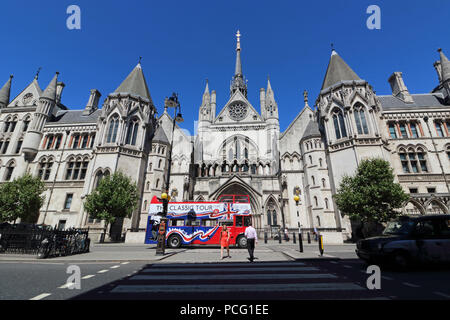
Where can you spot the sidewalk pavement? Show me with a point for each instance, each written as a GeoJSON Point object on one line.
{"type": "Point", "coordinates": [118, 252]}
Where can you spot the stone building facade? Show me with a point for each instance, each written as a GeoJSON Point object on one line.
{"type": "Point", "coordinates": [236, 149]}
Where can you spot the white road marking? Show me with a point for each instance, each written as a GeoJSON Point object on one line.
{"type": "Point", "coordinates": [103, 271]}
{"type": "Point", "coordinates": [442, 294]}
{"type": "Point", "coordinates": [282, 287]}
{"type": "Point", "coordinates": [228, 264]}
{"type": "Point", "coordinates": [347, 266]}
{"type": "Point", "coordinates": [67, 285]}
{"type": "Point", "coordinates": [125, 262]}
{"type": "Point", "coordinates": [114, 267]}
{"type": "Point", "coordinates": [231, 270]}
{"type": "Point", "coordinates": [235, 276]}
{"type": "Point", "coordinates": [410, 285]}
{"type": "Point", "coordinates": [41, 296]}
{"type": "Point", "coordinates": [386, 278]}
{"type": "Point", "coordinates": [334, 262]}
{"type": "Point", "coordinates": [88, 276]}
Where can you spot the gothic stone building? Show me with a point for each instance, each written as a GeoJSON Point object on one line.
{"type": "Point", "coordinates": [236, 149]}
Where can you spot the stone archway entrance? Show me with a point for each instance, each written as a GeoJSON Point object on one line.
{"type": "Point", "coordinates": [240, 189]}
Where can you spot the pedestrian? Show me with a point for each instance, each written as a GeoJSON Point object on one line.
{"type": "Point", "coordinates": [252, 238]}
{"type": "Point", "coordinates": [225, 241]}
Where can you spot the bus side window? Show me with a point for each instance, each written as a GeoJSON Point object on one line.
{"type": "Point", "coordinates": [238, 221]}
{"type": "Point", "coordinates": [176, 222]}
{"type": "Point", "coordinates": [247, 221]}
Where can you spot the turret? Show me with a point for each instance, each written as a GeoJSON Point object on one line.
{"type": "Point", "coordinates": [44, 109]}
{"type": "Point", "coordinates": [5, 93]}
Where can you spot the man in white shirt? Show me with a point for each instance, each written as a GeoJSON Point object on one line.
{"type": "Point", "coordinates": [250, 234]}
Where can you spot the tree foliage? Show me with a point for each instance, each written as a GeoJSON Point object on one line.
{"type": "Point", "coordinates": [115, 197]}
{"type": "Point", "coordinates": [21, 198]}
{"type": "Point", "coordinates": [371, 195]}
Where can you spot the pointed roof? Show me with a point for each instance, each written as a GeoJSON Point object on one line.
{"type": "Point", "coordinates": [5, 93]}
{"type": "Point", "coordinates": [312, 130]}
{"type": "Point", "coordinates": [269, 87]}
{"type": "Point", "coordinates": [206, 88]}
{"type": "Point", "coordinates": [50, 91]}
{"type": "Point", "coordinates": [135, 84]}
{"type": "Point", "coordinates": [445, 66]}
{"type": "Point", "coordinates": [338, 71]}
{"type": "Point", "coordinates": [160, 136]}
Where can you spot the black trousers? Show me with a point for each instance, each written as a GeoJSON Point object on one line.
{"type": "Point", "coordinates": [251, 247]}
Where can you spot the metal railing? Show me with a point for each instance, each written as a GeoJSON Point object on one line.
{"type": "Point", "coordinates": [43, 241]}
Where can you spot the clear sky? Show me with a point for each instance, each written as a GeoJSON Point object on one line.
{"type": "Point", "coordinates": [184, 42]}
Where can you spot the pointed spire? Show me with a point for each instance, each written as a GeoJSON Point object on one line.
{"type": "Point", "coordinates": [206, 88]}
{"type": "Point", "coordinates": [445, 66]}
{"type": "Point", "coordinates": [269, 87]}
{"type": "Point", "coordinates": [338, 71]}
{"type": "Point", "coordinates": [135, 83]}
{"type": "Point", "coordinates": [206, 95]}
{"type": "Point", "coordinates": [5, 93]}
{"type": "Point", "coordinates": [50, 91]}
{"type": "Point", "coordinates": [238, 69]}
{"type": "Point", "coordinates": [36, 77]}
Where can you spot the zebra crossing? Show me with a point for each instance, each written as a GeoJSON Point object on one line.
{"type": "Point", "coordinates": [234, 280]}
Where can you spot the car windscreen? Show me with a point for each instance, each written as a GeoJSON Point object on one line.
{"type": "Point", "coordinates": [399, 227]}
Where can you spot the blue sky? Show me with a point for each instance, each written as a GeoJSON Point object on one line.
{"type": "Point", "coordinates": [185, 42]}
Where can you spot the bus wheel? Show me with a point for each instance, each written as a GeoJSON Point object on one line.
{"type": "Point", "coordinates": [241, 242]}
{"type": "Point", "coordinates": [174, 241]}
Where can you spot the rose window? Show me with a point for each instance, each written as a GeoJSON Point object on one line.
{"type": "Point", "coordinates": [238, 111]}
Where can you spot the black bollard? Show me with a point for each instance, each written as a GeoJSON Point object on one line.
{"type": "Point", "coordinates": [309, 238]}
{"type": "Point", "coordinates": [293, 237]}
{"type": "Point", "coordinates": [300, 242]}
{"type": "Point", "coordinates": [265, 237]}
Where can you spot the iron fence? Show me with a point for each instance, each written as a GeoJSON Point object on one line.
{"type": "Point", "coordinates": [43, 241]}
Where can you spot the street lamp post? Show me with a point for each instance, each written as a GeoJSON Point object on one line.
{"type": "Point", "coordinates": [171, 102]}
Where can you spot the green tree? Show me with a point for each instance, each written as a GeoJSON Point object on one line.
{"type": "Point", "coordinates": [371, 196]}
{"type": "Point", "coordinates": [115, 197]}
{"type": "Point", "coordinates": [21, 198]}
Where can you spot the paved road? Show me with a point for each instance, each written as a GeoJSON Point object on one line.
{"type": "Point", "coordinates": [46, 280]}
{"type": "Point", "coordinates": [283, 280]}
{"type": "Point", "coordinates": [198, 273]}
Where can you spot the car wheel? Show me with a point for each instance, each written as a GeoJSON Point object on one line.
{"type": "Point", "coordinates": [401, 260]}
{"type": "Point", "coordinates": [241, 242]}
{"type": "Point", "coordinates": [174, 241]}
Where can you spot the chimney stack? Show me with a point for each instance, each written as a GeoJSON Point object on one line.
{"type": "Point", "coordinates": [92, 104]}
{"type": "Point", "coordinates": [399, 89]}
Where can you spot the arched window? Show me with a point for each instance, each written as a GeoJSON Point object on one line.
{"type": "Point", "coordinates": [310, 160]}
{"type": "Point", "coordinates": [323, 183]}
{"type": "Point", "coordinates": [157, 184]}
{"type": "Point", "coordinates": [316, 201]}
{"type": "Point", "coordinates": [318, 221]}
{"type": "Point", "coordinates": [5, 147]}
{"type": "Point", "coordinates": [320, 162]}
{"type": "Point", "coordinates": [339, 124]}
{"type": "Point", "coordinates": [274, 217]}
{"type": "Point", "coordinates": [112, 129]}
{"type": "Point", "coordinates": [313, 180]}
{"type": "Point", "coordinates": [26, 123]}
{"type": "Point", "coordinates": [269, 217]}
{"type": "Point", "coordinates": [132, 132]}
{"type": "Point", "coordinates": [360, 119]}
{"type": "Point", "coordinates": [145, 205]}
{"type": "Point", "coordinates": [326, 204]}
{"type": "Point", "coordinates": [159, 163]}
{"type": "Point", "coordinates": [45, 168]}
{"type": "Point", "coordinates": [9, 170]}
{"type": "Point", "coordinates": [148, 185]}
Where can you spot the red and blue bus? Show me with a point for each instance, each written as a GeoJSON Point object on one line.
{"type": "Point", "coordinates": [201, 222]}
